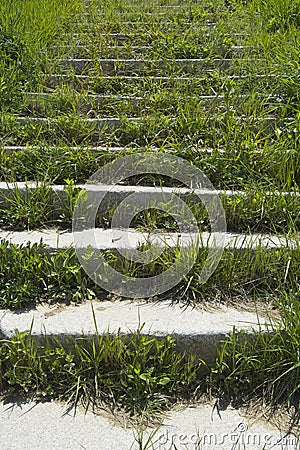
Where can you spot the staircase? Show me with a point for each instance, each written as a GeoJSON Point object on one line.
{"type": "Point", "coordinates": [162, 80]}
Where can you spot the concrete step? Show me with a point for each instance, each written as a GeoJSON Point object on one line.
{"type": "Point", "coordinates": [84, 51]}
{"type": "Point", "coordinates": [113, 149]}
{"type": "Point", "coordinates": [195, 84]}
{"type": "Point", "coordinates": [128, 51]}
{"type": "Point", "coordinates": [174, 13]}
{"type": "Point", "coordinates": [51, 426]}
{"type": "Point", "coordinates": [105, 123]}
{"type": "Point", "coordinates": [92, 101]}
{"type": "Point", "coordinates": [114, 194]}
{"type": "Point", "coordinates": [118, 239]}
{"type": "Point", "coordinates": [153, 197]}
{"type": "Point", "coordinates": [98, 149]}
{"type": "Point", "coordinates": [196, 330]}
{"type": "Point", "coordinates": [147, 19]}
{"type": "Point", "coordinates": [118, 192]}
{"type": "Point", "coordinates": [124, 36]}
{"type": "Point", "coordinates": [143, 8]}
{"type": "Point", "coordinates": [131, 31]}
{"type": "Point", "coordinates": [113, 123]}
{"type": "Point", "coordinates": [129, 66]}
{"type": "Point", "coordinates": [93, 105]}
{"type": "Point", "coordinates": [221, 51]}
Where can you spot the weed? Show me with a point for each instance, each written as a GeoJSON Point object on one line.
{"type": "Point", "coordinates": [138, 374]}
{"type": "Point", "coordinates": [29, 274]}
{"type": "Point", "coordinates": [18, 68]}
{"type": "Point", "coordinates": [266, 366]}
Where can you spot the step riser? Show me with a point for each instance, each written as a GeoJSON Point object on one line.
{"type": "Point", "coordinates": [203, 347]}
{"type": "Point", "coordinates": [191, 85]}
{"type": "Point", "coordinates": [118, 240]}
{"type": "Point", "coordinates": [113, 194]}
{"type": "Point", "coordinates": [111, 104]}
{"type": "Point", "coordinates": [199, 333]}
{"type": "Point", "coordinates": [128, 52]}
{"type": "Point", "coordinates": [266, 124]}
{"type": "Point", "coordinates": [127, 67]}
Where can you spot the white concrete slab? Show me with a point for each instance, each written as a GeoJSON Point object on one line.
{"type": "Point", "coordinates": [43, 426]}
{"type": "Point", "coordinates": [130, 239]}
{"type": "Point", "coordinates": [196, 330]}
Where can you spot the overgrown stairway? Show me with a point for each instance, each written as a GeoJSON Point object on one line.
{"type": "Point", "coordinates": [188, 79]}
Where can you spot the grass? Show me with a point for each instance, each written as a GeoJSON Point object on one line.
{"type": "Point", "coordinates": [38, 207]}
{"type": "Point", "coordinates": [26, 30]}
{"type": "Point", "coordinates": [251, 210]}
{"type": "Point", "coordinates": [252, 132]}
{"type": "Point", "coordinates": [18, 68]}
{"type": "Point", "coordinates": [140, 375]}
{"type": "Point", "coordinates": [240, 166]}
{"type": "Point", "coordinates": [30, 275]}
{"type": "Point", "coordinates": [267, 366]}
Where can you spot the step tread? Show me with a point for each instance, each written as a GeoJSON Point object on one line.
{"type": "Point", "coordinates": [24, 185]}
{"type": "Point", "coordinates": [59, 428]}
{"type": "Point", "coordinates": [160, 318]}
{"type": "Point", "coordinates": [156, 77]}
{"type": "Point", "coordinates": [119, 188]}
{"type": "Point", "coordinates": [140, 61]}
{"type": "Point", "coordinates": [119, 120]}
{"type": "Point", "coordinates": [108, 239]}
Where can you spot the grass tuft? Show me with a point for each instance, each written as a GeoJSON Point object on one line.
{"type": "Point", "coordinates": [138, 374]}
{"type": "Point", "coordinates": [266, 367]}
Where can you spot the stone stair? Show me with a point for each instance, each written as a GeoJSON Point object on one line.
{"type": "Point", "coordinates": [130, 71]}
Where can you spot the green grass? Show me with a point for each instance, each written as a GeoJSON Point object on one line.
{"type": "Point", "coordinates": [265, 367]}
{"type": "Point", "coordinates": [26, 31]}
{"type": "Point", "coordinates": [39, 22]}
{"type": "Point", "coordinates": [252, 210]}
{"type": "Point", "coordinates": [241, 166]}
{"type": "Point", "coordinates": [248, 152]}
{"type": "Point", "coordinates": [18, 68]}
{"type": "Point", "coordinates": [27, 209]}
{"type": "Point", "coordinates": [139, 375]}
{"type": "Point", "coordinates": [30, 275]}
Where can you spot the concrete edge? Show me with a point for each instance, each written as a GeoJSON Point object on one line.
{"type": "Point", "coordinates": [196, 331]}
{"type": "Point", "coordinates": [122, 240]}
